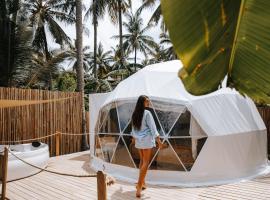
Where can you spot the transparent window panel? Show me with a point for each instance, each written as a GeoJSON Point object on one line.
{"type": "Point", "coordinates": [121, 155]}
{"type": "Point", "coordinates": [160, 130]}
{"type": "Point", "coordinates": [128, 129]}
{"type": "Point", "coordinates": [187, 149]}
{"type": "Point", "coordinates": [125, 110]}
{"type": "Point", "coordinates": [167, 113]}
{"type": "Point", "coordinates": [166, 159]}
{"type": "Point", "coordinates": [103, 114]}
{"type": "Point", "coordinates": [182, 125]}
{"type": "Point", "coordinates": [109, 120]}
{"type": "Point", "coordinates": [134, 152]}
{"type": "Point", "coordinates": [98, 149]}
{"type": "Point", "coordinates": [108, 145]}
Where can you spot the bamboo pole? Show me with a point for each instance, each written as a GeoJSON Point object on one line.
{"type": "Point", "coordinates": [57, 143]}
{"type": "Point", "coordinates": [4, 165]}
{"type": "Point", "coordinates": [101, 186]}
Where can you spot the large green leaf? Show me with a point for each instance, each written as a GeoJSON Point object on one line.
{"type": "Point", "coordinates": [215, 38]}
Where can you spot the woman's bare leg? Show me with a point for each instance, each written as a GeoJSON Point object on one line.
{"type": "Point", "coordinates": [140, 166]}
{"type": "Point", "coordinates": [146, 154]}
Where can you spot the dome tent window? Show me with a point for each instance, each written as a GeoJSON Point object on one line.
{"type": "Point", "coordinates": [169, 118]}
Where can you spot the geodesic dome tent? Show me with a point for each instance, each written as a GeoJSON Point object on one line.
{"type": "Point", "coordinates": [210, 139]}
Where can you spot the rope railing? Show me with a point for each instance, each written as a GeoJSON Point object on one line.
{"type": "Point", "coordinates": [102, 179]}
{"type": "Point", "coordinates": [44, 137]}
{"type": "Point", "coordinates": [50, 171]}
{"type": "Point", "coordinates": [29, 140]}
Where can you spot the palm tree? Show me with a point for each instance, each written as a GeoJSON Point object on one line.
{"type": "Point", "coordinates": [103, 60]}
{"type": "Point", "coordinates": [41, 72]}
{"type": "Point", "coordinates": [168, 51]}
{"type": "Point", "coordinates": [116, 9]}
{"type": "Point", "coordinates": [43, 17]}
{"type": "Point", "coordinates": [136, 38]}
{"type": "Point", "coordinates": [8, 13]}
{"type": "Point", "coordinates": [156, 16]}
{"type": "Point", "coordinates": [72, 58]}
{"type": "Point", "coordinates": [97, 11]}
{"type": "Point", "coordinates": [15, 41]}
{"type": "Point", "coordinates": [79, 68]}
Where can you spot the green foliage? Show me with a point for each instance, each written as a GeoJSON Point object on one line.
{"type": "Point", "coordinates": [66, 81]}
{"type": "Point", "coordinates": [218, 38]}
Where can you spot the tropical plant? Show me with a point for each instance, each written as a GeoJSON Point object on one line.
{"type": "Point", "coordinates": [219, 38]}
{"type": "Point", "coordinates": [103, 61]}
{"type": "Point", "coordinates": [157, 56]}
{"type": "Point", "coordinates": [66, 81]}
{"type": "Point", "coordinates": [72, 58]}
{"type": "Point", "coordinates": [168, 51]}
{"type": "Point", "coordinates": [116, 9]}
{"type": "Point", "coordinates": [136, 38]}
{"type": "Point", "coordinates": [41, 72]}
{"type": "Point", "coordinates": [156, 16]}
{"type": "Point", "coordinates": [8, 39]}
{"type": "Point", "coordinates": [97, 11]}
{"type": "Point", "coordinates": [44, 16]}
{"type": "Point", "coordinates": [79, 68]}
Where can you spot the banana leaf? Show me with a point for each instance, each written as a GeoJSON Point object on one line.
{"type": "Point", "coordinates": [215, 39]}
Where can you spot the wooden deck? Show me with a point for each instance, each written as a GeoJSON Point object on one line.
{"type": "Point", "coordinates": [50, 186]}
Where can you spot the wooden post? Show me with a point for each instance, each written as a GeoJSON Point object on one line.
{"type": "Point", "coordinates": [57, 143]}
{"type": "Point", "coordinates": [4, 166]}
{"type": "Point", "coordinates": [101, 186]}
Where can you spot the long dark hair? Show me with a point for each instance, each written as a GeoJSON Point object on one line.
{"type": "Point", "coordinates": [138, 112]}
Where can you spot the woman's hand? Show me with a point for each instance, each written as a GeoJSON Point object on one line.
{"type": "Point", "coordinates": [160, 144]}
{"type": "Point", "coordinates": [133, 141]}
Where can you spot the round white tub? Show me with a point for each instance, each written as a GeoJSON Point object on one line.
{"type": "Point", "coordinates": [38, 156]}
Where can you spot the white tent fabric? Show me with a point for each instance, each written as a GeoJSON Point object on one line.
{"type": "Point", "coordinates": [236, 145]}
{"type": "Point", "coordinates": [227, 111]}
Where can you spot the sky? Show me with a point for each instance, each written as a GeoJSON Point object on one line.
{"type": "Point", "coordinates": [106, 30]}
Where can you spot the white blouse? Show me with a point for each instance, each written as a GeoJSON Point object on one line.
{"type": "Point", "coordinates": [145, 137]}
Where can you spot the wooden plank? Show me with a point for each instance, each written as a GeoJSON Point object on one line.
{"type": "Point", "coordinates": [50, 186]}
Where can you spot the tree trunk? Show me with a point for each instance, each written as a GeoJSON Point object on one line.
{"type": "Point", "coordinates": [120, 32]}
{"type": "Point", "coordinates": [79, 68]}
{"type": "Point", "coordinates": [48, 57]}
{"type": "Point", "coordinates": [135, 58]}
{"type": "Point", "coordinates": [95, 37]}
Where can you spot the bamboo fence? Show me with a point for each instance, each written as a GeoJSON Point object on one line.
{"type": "Point", "coordinates": [38, 120]}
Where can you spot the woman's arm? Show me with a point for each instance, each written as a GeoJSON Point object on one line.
{"type": "Point", "coordinates": [160, 145]}
{"type": "Point", "coordinates": [151, 124]}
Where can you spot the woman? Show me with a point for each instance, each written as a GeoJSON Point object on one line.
{"type": "Point", "coordinates": [145, 134]}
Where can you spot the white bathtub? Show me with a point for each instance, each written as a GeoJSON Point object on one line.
{"type": "Point", "coordinates": [38, 156]}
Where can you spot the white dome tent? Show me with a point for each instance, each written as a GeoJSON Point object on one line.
{"type": "Point", "coordinates": [210, 139]}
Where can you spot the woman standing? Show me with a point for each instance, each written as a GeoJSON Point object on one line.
{"type": "Point", "coordinates": [145, 134]}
